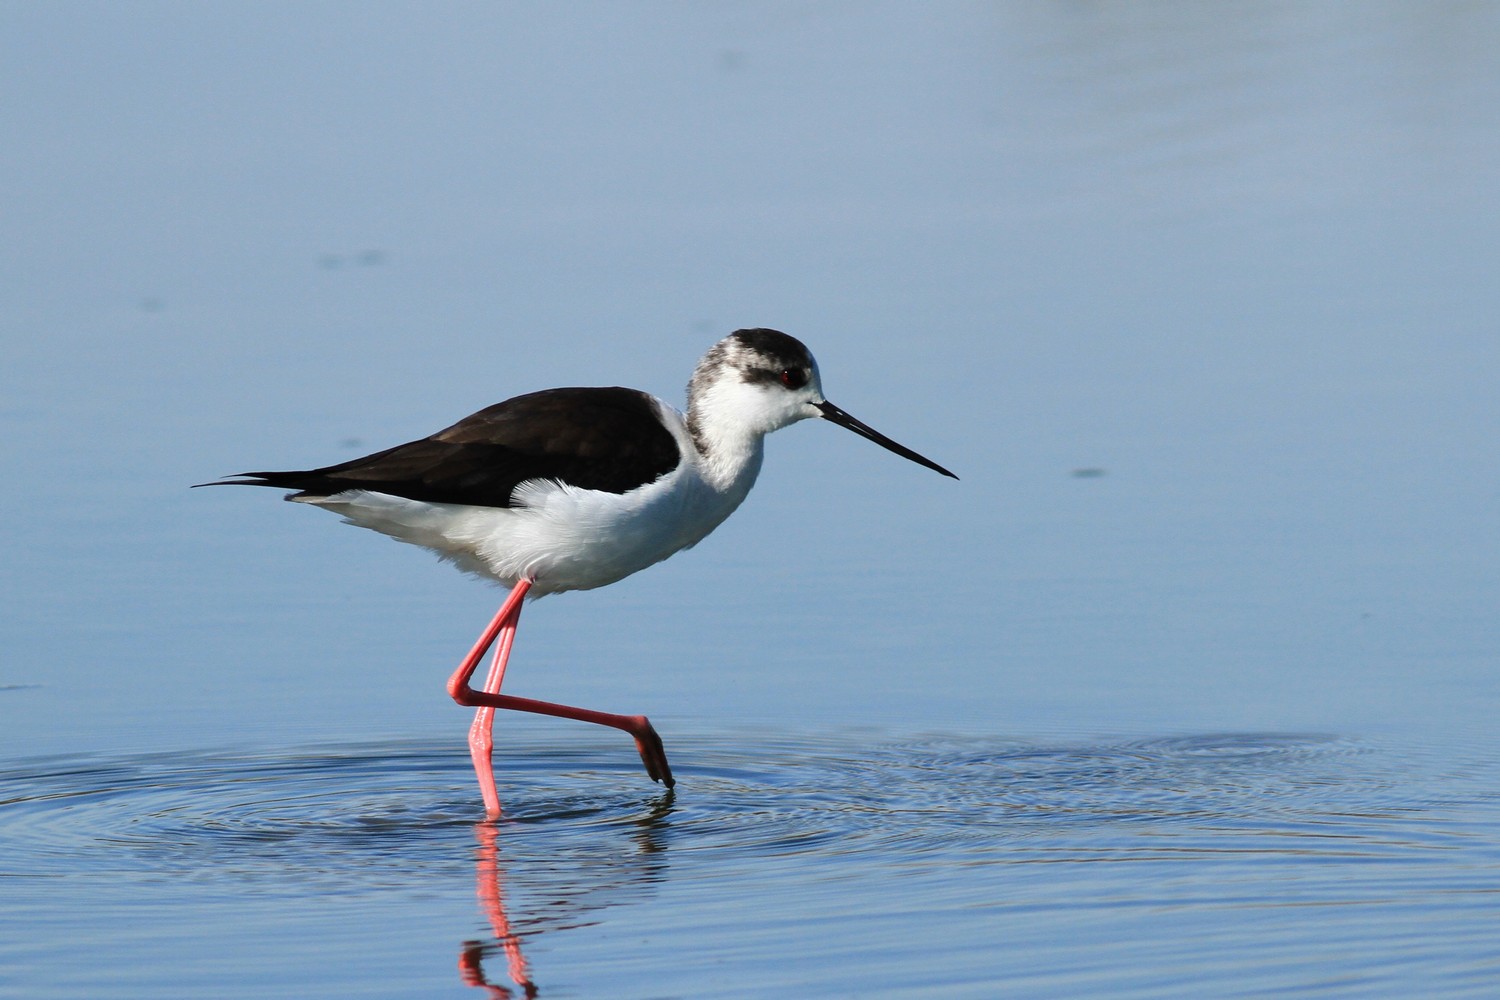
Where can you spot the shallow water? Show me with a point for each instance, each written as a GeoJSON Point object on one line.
{"type": "Point", "coordinates": [923, 865]}
{"type": "Point", "coordinates": [1186, 688]}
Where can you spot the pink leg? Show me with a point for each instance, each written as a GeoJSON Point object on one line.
{"type": "Point", "coordinates": [481, 733]}
{"type": "Point", "coordinates": [503, 626]}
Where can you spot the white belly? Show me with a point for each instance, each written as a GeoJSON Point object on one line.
{"type": "Point", "coordinates": [562, 537]}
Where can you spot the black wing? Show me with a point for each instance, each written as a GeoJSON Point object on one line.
{"type": "Point", "coordinates": [607, 439]}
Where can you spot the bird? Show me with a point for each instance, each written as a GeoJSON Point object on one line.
{"type": "Point", "coordinates": [573, 489]}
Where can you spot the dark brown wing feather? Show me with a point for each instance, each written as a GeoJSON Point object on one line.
{"type": "Point", "coordinates": [607, 439]}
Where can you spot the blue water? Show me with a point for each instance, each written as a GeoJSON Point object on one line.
{"type": "Point", "coordinates": [925, 865]}
{"type": "Point", "coordinates": [1186, 688]}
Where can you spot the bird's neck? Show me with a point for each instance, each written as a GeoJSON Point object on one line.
{"type": "Point", "coordinates": [729, 454]}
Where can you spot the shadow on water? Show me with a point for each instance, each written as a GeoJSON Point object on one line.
{"type": "Point", "coordinates": [581, 834]}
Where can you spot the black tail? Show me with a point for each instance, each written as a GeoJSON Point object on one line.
{"type": "Point", "coordinates": [306, 481]}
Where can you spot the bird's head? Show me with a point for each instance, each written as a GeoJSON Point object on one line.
{"type": "Point", "coordinates": [757, 381]}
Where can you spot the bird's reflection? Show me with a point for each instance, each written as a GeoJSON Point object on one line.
{"type": "Point", "coordinates": [489, 886]}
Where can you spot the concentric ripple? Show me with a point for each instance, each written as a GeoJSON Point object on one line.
{"type": "Point", "coordinates": [947, 797]}
{"type": "Point", "coordinates": [301, 815]}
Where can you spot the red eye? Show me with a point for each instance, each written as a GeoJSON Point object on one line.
{"type": "Point", "coordinates": [793, 378]}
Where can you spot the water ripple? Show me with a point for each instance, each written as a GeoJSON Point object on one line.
{"type": "Point", "coordinates": [747, 797]}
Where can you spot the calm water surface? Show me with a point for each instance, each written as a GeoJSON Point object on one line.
{"type": "Point", "coordinates": [1187, 688]}
{"type": "Point", "coordinates": [849, 864]}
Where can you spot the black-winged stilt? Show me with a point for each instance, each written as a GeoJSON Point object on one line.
{"type": "Point", "coordinates": [571, 489]}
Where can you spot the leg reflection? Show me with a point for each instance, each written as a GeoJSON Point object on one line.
{"type": "Point", "coordinates": [491, 894]}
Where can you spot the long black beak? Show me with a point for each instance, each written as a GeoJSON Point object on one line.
{"type": "Point", "coordinates": [864, 430]}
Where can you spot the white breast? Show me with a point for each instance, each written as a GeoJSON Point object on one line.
{"type": "Point", "coordinates": [564, 537]}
